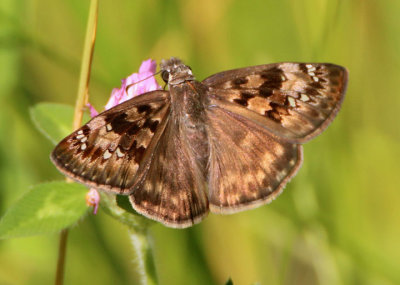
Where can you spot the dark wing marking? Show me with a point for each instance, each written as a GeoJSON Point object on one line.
{"type": "Point", "coordinates": [296, 101]}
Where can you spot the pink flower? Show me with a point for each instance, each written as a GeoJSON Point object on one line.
{"type": "Point", "coordinates": [93, 112]}
{"type": "Point", "coordinates": [135, 84]}
{"type": "Point", "coordinates": [93, 199]}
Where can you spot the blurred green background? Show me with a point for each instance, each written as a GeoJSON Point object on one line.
{"type": "Point", "coordinates": [337, 222]}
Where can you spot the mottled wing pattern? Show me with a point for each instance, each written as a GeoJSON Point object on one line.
{"type": "Point", "coordinates": [296, 101]}
{"type": "Point", "coordinates": [109, 151]}
{"type": "Point", "coordinates": [248, 166]}
{"type": "Point", "coordinates": [173, 188]}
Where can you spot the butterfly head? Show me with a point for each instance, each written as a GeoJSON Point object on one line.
{"type": "Point", "coordinates": [173, 71]}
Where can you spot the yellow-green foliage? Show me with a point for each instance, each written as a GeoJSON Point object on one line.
{"type": "Point", "coordinates": [337, 222]}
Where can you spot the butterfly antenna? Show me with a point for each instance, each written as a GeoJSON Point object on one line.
{"type": "Point", "coordinates": [130, 85]}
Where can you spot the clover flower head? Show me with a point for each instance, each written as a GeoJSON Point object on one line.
{"type": "Point", "coordinates": [135, 84]}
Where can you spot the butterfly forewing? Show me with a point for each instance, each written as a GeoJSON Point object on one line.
{"type": "Point", "coordinates": [295, 101]}
{"type": "Point", "coordinates": [109, 150]}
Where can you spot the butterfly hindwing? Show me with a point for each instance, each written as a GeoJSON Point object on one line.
{"type": "Point", "coordinates": [295, 101]}
{"type": "Point", "coordinates": [173, 189]}
{"type": "Point", "coordinates": [248, 167]}
{"type": "Point", "coordinates": [108, 151]}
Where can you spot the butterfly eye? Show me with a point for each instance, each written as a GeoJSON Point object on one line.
{"type": "Point", "coordinates": [165, 76]}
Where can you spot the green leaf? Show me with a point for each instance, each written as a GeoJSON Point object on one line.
{"type": "Point", "coordinates": [54, 120]}
{"type": "Point", "coordinates": [229, 282]}
{"type": "Point", "coordinates": [46, 208]}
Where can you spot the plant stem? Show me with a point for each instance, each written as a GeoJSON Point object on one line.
{"type": "Point", "coordinates": [81, 101]}
{"type": "Point", "coordinates": [145, 259]}
{"type": "Point", "coordinates": [139, 234]}
{"type": "Point", "coordinates": [62, 247]}
{"type": "Point", "coordinates": [88, 49]}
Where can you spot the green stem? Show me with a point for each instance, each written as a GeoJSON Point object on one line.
{"type": "Point", "coordinates": [62, 247]}
{"type": "Point", "coordinates": [139, 233]}
{"type": "Point", "coordinates": [88, 49]}
{"type": "Point", "coordinates": [81, 101]}
{"type": "Point", "coordinates": [145, 259]}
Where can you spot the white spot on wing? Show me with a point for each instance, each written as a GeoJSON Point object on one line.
{"type": "Point", "coordinates": [292, 101]}
{"type": "Point", "coordinates": [120, 153]}
{"type": "Point", "coordinates": [304, 98]}
{"type": "Point", "coordinates": [83, 146]}
{"type": "Point", "coordinates": [108, 127]}
{"type": "Point", "coordinates": [107, 154]}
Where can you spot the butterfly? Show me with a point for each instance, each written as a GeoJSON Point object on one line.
{"type": "Point", "coordinates": [226, 144]}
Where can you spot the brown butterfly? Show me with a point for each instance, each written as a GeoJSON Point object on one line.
{"type": "Point", "coordinates": [226, 144]}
